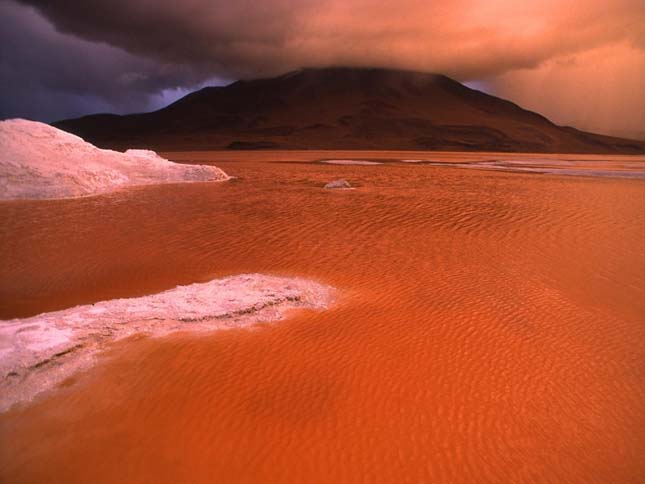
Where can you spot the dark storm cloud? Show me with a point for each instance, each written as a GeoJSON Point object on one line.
{"type": "Point", "coordinates": [463, 38]}
{"type": "Point", "coordinates": [48, 75]}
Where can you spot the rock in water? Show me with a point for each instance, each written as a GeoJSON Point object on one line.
{"type": "Point", "coordinates": [39, 161]}
{"type": "Point", "coordinates": [342, 183]}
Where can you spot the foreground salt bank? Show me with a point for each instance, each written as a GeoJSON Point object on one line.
{"type": "Point", "coordinates": [37, 353]}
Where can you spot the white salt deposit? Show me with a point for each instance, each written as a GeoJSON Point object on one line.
{"type": "Point", "coordinates": [39, 352]}
{"type": "Point", "coordinates": [39, 161]}
{"type": "Point", "coordinates": [351, 162]}
{"type": "Point", "coordinates": [341, 184]}
{"type": "Point", "coordinates": [606, 168]}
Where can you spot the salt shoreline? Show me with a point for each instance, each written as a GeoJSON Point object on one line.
{"type": "Point", "coordinates": [39, 352]}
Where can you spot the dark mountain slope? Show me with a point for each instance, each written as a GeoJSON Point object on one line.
{"type": "Point", "coordinates": [343, 108]}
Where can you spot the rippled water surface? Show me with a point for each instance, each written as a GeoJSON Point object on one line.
{"type": "Point", "coordinates": [490, 328]}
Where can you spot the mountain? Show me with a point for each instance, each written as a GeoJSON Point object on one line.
{"type": "Point", "coordinates": [343, 108]}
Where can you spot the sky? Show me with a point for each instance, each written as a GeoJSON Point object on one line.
{"type": "Point", "coordinates": [579, 62]}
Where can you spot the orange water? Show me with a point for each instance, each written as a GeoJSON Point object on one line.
{"type": "Point", "coordinates": [490, 328]}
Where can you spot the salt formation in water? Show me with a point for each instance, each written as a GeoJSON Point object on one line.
{"type": "Point", "coordinates": [351, 162]}
{"type": "Point", "coordinates": [37, 353]}
{"type": "Point", "coordinates": [634, 168]}
{"type": "Point", "coordinates": [39, 161]}
{"type": "Point", "coordinates": [341, 184]}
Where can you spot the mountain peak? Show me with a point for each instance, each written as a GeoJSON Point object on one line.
{"type": "Point", "coordinates": [343, 108]}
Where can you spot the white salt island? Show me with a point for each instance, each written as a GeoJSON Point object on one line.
{"type": "Point", "coordinates": [38, 161]}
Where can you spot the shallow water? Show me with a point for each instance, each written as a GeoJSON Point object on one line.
{"type": "Point", "coordinates": [490, 328]}
{"type": "Point", "coordinates": [611, 169]}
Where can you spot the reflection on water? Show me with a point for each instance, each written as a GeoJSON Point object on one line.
{"type": "Point", "coordinates": [608, 169]}
{"type": "Point", "coordinates": [490, 329]}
